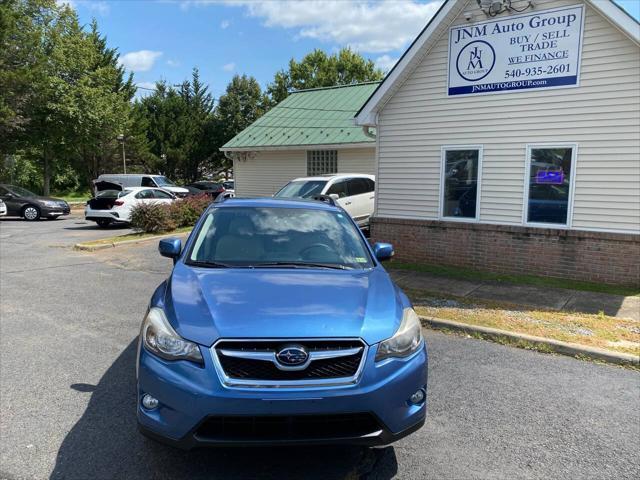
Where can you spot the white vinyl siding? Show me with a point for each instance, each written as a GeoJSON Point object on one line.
{"type": "Point", "coordinates": [268, 171]}
{"type": "Point", "coordinates": [601, 116]}
{"type": "Point", "coordinates": [357, 160]}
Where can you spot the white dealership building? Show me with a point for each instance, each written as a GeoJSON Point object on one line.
{"type": "Point", "coordinates": [508, 140]}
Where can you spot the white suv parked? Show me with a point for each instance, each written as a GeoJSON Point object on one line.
{"type": "Point", "coordinates": [353, 191]}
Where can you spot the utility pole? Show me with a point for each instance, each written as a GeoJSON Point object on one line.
{"type": "Point", "coordinates": [124, 159]}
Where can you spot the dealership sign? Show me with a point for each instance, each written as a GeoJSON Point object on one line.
{"type": "Point", "coordinates": [523, 52]}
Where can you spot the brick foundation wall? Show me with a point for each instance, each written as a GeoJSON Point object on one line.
{"type": "Point", "coordinates": [590, 256]}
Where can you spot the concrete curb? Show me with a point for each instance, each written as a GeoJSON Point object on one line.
{"type": "Point", "coordinates": [556, 346]}
{"type": "Point", "coordinates": [88, 247]}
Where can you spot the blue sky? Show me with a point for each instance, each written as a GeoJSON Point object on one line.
{"type": "Point", "coordinates": [167, 38]}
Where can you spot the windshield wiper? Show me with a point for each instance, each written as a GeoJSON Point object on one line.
{"type": "Point", "coordinates": [332, 266]}
{"type": "Point", "coordinates": [208, 264]}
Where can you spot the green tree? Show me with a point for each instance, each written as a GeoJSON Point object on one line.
{"type": "Point", "coordinates": [49, 109]}
{"type": "Point", "coordinates": [180, 128]}
{"type": "Point", "coordinates": [242, 104]}
{"type": "Point", "coordinates": [21, 26]}
{"type": "Point", "coordinates": [63, 96]}
{"type": "Point", "coordinates": [200, 117]}
{"type": "Point", "coordinates": [103, 100]}
{"type": "Point", "coordinates": [317, 69]}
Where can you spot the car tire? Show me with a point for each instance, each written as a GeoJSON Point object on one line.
{"type": "Point", "coordinates": [31, 213]}
{"type": "Point", "coordinates": [103, 223]}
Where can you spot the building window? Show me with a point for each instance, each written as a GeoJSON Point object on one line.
{"type": "Point", "coordinates": [549, 184]}
{"type": "Point", "coordinates": [322, 162]}
{"type": "Point", "coordinates": [460, 182]}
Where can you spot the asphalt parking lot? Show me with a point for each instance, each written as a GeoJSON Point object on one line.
{"type": "Point", "coordinates": [68, 327]}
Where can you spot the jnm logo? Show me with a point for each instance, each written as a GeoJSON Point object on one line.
{"type": "Point", "coordinates": [475, 60]}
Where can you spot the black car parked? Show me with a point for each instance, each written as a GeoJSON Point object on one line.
{"type": "Point", "coordinates": [23, 203]}
{"type": "Point", "coordinates": [213, 189]}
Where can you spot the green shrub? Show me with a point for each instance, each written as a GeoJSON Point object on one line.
{"type": "Point", "coordinates": [186, 212]}
{"type": "Point", "coordinates": [156, 218]}
{"type": "Point", "coordinates": [152, 218]}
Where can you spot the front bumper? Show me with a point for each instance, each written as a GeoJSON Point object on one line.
{"type": "Point", "coordinates": [54, 211]}
{"type": "Point", "coordinates": [190, 395]}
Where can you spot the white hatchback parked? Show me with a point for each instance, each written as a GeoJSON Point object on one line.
{"type": "Point", "coordinates": [111, 206]}
{"type": "Point", "coordinates": [354, 192]}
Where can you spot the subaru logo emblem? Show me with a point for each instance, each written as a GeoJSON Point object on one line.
{"type": "Point", "coordinates": [292, 355]}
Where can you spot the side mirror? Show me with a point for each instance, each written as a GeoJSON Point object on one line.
{"type": "Point", "coordinates": [335, 196]}
{"type": "Point", "coordinates": [8, 195]}
{"type": "Point", "coordinates": [170, 247]}
{"type": "Point", "coordinates": [383, 251]}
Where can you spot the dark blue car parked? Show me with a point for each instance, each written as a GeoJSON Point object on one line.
{"type": "Point", "coordinates": [278, 325]}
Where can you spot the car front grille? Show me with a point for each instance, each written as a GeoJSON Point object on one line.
{"type": "Point", "coordinates": [287, 428]}
{"type": "Point", "coordinates": [330, 360]}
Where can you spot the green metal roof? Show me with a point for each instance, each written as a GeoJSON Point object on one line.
{"type": "Point", "coordinates": [318, 116]}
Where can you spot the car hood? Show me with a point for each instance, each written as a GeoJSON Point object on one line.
{"type": "Point", "coordinates": [206, 304]}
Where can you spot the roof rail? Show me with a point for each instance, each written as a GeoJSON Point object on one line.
{"type": "Point", "coordinates": [325, 199]}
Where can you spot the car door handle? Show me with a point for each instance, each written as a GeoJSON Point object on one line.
{"type": "Point", "coordinates": [347, 203]}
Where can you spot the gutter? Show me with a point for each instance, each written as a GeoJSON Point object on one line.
{"type": "Point", "coordinates": [367, 132]}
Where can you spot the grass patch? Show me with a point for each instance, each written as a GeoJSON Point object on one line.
{"type": "Point", "coordinates": [477, 275]}
{"type": "Point", "coordinates": [134, 236]}
{"type": "Point", "coordinates": [82, 196]}
{"type": "Point", "coordinates": [597, 330]}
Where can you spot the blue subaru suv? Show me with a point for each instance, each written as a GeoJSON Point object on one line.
{"type": "Point", "coordinates": [278, 325]}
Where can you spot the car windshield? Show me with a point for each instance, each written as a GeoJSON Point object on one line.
{"type": "Point", "coordinates": [269, 237]}
{"type": "Point", "coordinates": [21, 192]}
{"type": "Point", "coordinates": [163, 182]}
{"type": "Point", "coordinates": [302, 189]}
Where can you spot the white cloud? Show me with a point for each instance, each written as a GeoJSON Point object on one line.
{"type": "Point", "coordinates": [173, 63]}
{"type": "Point", "coordinates": [224, 24]}
{"type": "Point", "coordinates": [385, 62]}
{"type": "Point", "coordinates": [140, 61]}
{"type": "Point", "coordinates": [229, 67]}
{"type": "Point", "coordinates": [100, 7]}
{"type": "Point", "coordinates": [364, 25]}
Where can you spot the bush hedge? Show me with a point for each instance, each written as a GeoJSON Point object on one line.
{"type": "Point", "coordinates": [160, 218]}
{"type": "Point", "coordinates": [186, 212]}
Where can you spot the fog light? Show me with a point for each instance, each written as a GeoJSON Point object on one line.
{"type": "Point", "coordinates": [149, 402]}
{"type": "Point", "coordinates": [417, 397]}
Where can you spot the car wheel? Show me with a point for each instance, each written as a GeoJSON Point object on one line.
{"type": "Point", "coordinates": [31, 213]}
{"type": "Point", "coordinates": [103, 223]}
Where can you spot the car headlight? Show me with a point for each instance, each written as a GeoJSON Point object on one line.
{"type": "Point", "coordinates": [50, 203]}
{"type": "Point", "coordinates": [406, 340]}
{"type": "Point", "coordinates": [161, 339]}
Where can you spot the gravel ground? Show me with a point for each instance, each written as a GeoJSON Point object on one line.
{"type": "Point", "coordinates": [68, 323]}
